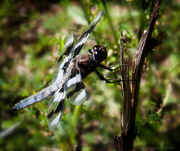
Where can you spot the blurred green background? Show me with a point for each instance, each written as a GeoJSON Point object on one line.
{"type": "Point", "coordinates": [32, 34]}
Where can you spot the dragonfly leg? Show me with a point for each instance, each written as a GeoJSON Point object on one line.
{"type": "Point", "coordinates": [107, 80]}
{"type": "Point", "coordinates": [97, 64]}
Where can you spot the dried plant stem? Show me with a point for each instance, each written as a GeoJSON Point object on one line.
{"type": "Point", "coordinates": [130, 93]}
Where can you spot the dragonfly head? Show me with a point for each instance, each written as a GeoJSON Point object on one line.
{"type": "Point", "coordinates": [99, 53]}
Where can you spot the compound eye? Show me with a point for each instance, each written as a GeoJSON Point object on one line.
{"type": "Point", "coordinates": [100, 53]}
{"type": "Point", "coordinates": [95, 47]}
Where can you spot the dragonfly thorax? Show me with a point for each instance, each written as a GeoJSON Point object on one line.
{"type": "Point", "coordinates": [99, 53]}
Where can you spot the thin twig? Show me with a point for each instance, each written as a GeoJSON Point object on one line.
{"type": "Point", "coordinates": [9, 131]}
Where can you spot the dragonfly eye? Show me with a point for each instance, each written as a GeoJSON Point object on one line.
{"type": "Point", "coordinates": [100, 53]}
{"type": "Point", "coordinates": [95, 47]}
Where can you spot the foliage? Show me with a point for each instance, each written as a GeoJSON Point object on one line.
{"type": "Point", "coordinates": [29, 35]}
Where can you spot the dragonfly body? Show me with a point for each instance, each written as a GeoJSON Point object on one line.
{"type": "Point", "coordinates": [70, 70]}
{"type": "Point", "coordinates": [86, 64]}
{"type": "Point", "coordinates": [89, 62]}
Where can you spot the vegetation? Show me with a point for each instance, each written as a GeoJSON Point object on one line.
{"type": "Point", "coordinates": [31, 38]}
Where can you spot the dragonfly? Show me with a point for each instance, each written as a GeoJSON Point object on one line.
{"type": "Point", "coordinates": [71, 68]}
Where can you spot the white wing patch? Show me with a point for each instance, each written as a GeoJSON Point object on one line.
{"type": "Point", "coordinates": [53, 124]}
{"type": "Point", "coordinates": [55, 108]}
{"type": "Point", "coordinates": [61, 71]}
{"type": "Point", "coordinates": [64, 59]}
{"type": "Point", "coordinates": [76, 90]}
{"type": "Point", "coordinates": [80, 98]}
{"type": "Point", "coordinates": [82, 41]}
{"type": "Point", "coordinates": [73, 81]}
{"type": "Point", "coordinates": [58, 96]}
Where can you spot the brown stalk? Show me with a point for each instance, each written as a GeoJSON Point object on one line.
{"type": "Point", "coordinates": [124, 142]}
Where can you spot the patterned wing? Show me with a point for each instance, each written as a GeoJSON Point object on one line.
{"type": "Point", "coordinates": [60, 69]}
{"type": "Point", "coordinates": [70, 52]}
{"type": "Point", "coordinates": [76, 91]}
{"type": "Point", "coordinates": [64, 59]}
{"type": "Point", "coordinates": [73, 88]}
{"type": "Point", "coordinates": [55, 108]}
{"type": "Point", "coordinates": [56, 103]}
{"type": "Point", "coordinates": [82, 40]}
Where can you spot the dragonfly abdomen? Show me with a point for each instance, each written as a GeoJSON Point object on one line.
{"type": "Point", "coordinates": [43, 94]}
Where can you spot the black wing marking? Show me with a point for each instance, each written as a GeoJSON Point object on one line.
{"type": "Point", "coordinates": [55, 108]}
{"type": "Point", "coordinates": [56, 103]}
{"type": "Point", "coordinates": [82, 40]}
{"type": "Point", "coordinates": [64, 59]}
{"type": "Point", "coordinates": [76, 91]}
{"type": "Point", "coordinates": [73, 89]}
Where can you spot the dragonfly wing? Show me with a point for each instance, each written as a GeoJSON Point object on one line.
{"type": "Point", "coordinates": [76, 91]}
{"type": "Point", "coordinates": [64, 59]}
{"type": "Point", "coordinates": [85, 35]}
{"type": "Point", "coordinates": [74, 87]}
{"type": "Point", "coordinates": [70, 52]}
{"type": "Point", "coordinates": [55, 108]}
{"type": "Point", "coordinates": [56, 103]}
